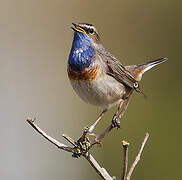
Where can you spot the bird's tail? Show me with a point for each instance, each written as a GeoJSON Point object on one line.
{"type": "Point", "coordinates": [138, 70]}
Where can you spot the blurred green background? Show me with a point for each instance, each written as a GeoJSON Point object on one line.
{"type": "Point", "coordinates": [35, 40]}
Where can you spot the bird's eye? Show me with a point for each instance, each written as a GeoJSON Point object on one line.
{"type": "Point", "coordinates": [91, 30]}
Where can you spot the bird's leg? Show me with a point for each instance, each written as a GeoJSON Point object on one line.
{"type": "Point", "coordinates": [115, 119]}
{"type": "Point", "coordinates": [118, 116]}
{"type": "Point", "coordinates": [83, 142]}
{"type": "Point", "coordinates": [125, 106]}
{"type": "Point", "coordinates": [92, 127]}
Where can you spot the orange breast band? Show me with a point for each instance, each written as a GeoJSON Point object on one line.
{"type": "Point", "coordinates": [87, 74]}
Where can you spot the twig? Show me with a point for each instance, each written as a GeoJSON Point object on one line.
{"type": "Point", "coordinates": [49, 138]}
{"type": "Point", "coordinates": [101, 171]}
{"type": "Point", "coordinates": [137, 157]}
{"type": "Point", "coordinates": [125, 159]}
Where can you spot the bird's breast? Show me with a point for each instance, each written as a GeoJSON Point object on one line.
{"type": "Point", "coordinates": [96, 87]}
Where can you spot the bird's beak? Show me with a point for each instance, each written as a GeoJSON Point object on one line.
{"type": "Point", "coordinates": [78, 28]}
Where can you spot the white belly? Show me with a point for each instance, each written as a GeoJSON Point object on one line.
{"type": "Point", "coordinates": [104, 91]}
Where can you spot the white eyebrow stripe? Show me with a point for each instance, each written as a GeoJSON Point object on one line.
{"type": "Point", "coordinates": [88, 26]}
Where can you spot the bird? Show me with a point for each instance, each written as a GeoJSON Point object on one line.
{"type": "Point", "coordinates": [97, 76]}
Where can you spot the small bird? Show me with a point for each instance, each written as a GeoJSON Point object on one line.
{"type": "Point", "coordinates": [97, 76]}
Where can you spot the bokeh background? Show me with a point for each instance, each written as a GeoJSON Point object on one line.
{"type": "Point", "coordinates": [35, 40]}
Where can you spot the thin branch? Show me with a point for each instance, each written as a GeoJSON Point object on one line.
{"type": "Point", "coordinates": [49, 138]}
{"type": "Point", "coordinates": [137, 157]}
{"type": "Point", "coordinates": [125, 159]}
{"type": "Point", "coordinates": [101, 171]}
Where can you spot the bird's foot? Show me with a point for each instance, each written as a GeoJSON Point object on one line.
{"type": "Point", "coordinates": [96, 140]}
{"type": "Point", "coordinates": [116, 121]}
{"type": "Point", "coordinates": [83, 144]}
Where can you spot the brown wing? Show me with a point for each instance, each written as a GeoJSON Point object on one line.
{"type": "Point", "coordinates": [118, 71]}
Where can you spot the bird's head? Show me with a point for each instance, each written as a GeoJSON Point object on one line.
{"type": "Point", "coordinates": [86, 32]}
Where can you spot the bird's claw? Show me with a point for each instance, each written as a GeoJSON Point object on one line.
{"type": "Point", "coordinates": [116, 121]}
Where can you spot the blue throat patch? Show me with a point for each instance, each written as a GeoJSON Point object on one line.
{"type": "Point", "coordinates": [82, 54]}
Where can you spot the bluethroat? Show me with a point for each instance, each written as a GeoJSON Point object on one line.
{"type": "Point", "coordinates": [97, 76]}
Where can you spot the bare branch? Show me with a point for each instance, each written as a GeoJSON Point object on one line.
{"type": "Point", "coordinates": [49, 138]}
{"type": "Point", "coordinates": [101, 171]}
{"type": "Point", "coordinates": [137, 157]}
{"type": "Point", "coordinates": [125, 159]}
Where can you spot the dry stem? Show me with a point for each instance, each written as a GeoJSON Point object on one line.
{"type": "Point", "coordinates": [125, 159]}
{"type": "Point", "coordinates": [137, 157]}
